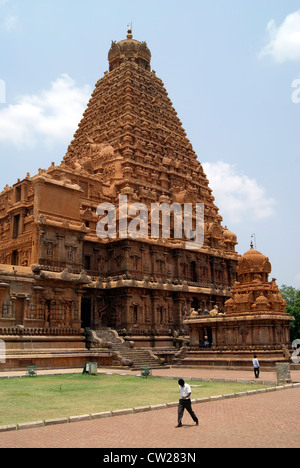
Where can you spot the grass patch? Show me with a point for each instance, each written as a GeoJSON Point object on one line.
{"type": "Point", "coordinates": [29, 399]}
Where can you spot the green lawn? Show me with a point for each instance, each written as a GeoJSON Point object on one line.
{"type": "Point", "coordinates": [30, 399]}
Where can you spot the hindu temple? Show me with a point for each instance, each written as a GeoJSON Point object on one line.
{"type": "Point", "coordinates": [68, 295]}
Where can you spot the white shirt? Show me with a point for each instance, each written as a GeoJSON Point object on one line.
{"type": "Point", "coordinates": [255, 363]}
{"type": "Point", "coordinates": [184, 391]}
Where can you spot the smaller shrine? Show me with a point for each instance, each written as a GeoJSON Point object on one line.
{"type": "Point", "coordinates": [254, 321]}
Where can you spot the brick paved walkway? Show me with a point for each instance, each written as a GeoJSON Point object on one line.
{"type": "Point", "coordinates": [261, 420]}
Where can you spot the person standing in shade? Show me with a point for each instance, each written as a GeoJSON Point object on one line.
{"type": "Point", "coordinates": [256, 366]}
{"type": "Point", "coordinates": [185, 402]}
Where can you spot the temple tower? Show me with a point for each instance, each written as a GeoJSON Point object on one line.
{"type": "Point", "coordinates": [60, 277]}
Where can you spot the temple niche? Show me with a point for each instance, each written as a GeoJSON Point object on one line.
{"type": "Point", "coordinates": [60, 280]}
{"type": "Point", "coordinates": [254, 321]}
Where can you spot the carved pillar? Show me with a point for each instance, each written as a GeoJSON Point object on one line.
{"type": "Point", "coordinates": [77, 309]}
{"type": "Point", "coordinates": [126, 249]}
{"type": "Point", "coordinates": [21, 225]}
{"type": "Point", "coordinates": [194, 336]}
{"type": "Point", "coordinates": [177, 257]}
{"type": "Point", "coordinates": [178, 303]}
{"type": "Point", "coordinates": [214, 336]}
{"type": "Point", "coordinates": [61, 246]}
{"type": "Point", "coordinates": [14, 302]}
{"type": "Point", "coordinates": [3, 290]}
{"type": "Point", "coordinates": [212, 262]}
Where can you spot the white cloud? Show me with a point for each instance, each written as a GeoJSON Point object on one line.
{"type": "Point", "coordinates": [284, 41]}
{"type": "Point", "coordinates": [52, 115]}
{"type": "Point", "coordinates": [238, 197]}
{"type": "Point", "coordinates": [10, 23]}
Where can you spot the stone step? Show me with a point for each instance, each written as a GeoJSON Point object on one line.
{"type": "Point", "coordinates": [138, 357]}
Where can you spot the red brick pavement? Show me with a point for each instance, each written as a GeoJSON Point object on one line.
{"type": "Point", "coordinates": [268, 420]}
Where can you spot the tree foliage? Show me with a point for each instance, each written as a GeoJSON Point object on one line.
{"type": "Point", "coordinates": [292, 297]}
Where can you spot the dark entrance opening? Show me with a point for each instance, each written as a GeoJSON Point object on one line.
{"type": "Point", "coordinates": [19, 312]}
{"type": "Point", "coordinates": [194, 272]}
{"type": "Point", "coordinates": [87, 262]}
{"type": "Point", "coordinates": [205, 338]}
{"type": "Point", "coordinates": [208, 334]}
{"type": "Point", "coordinates": [195, 303]}
{"type": "Point", "coordinates": [86, 312]}
{"type": "Point", "coordinates": [16, 226]}
{"type": "Point", "coordinates": [15, 257]}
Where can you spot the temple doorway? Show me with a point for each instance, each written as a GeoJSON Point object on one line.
{"type": "Point", "coordinates": [19, 313]}
{"type": "Point", "coordinates": [208, 337]}
{"type": "Point", "coordinates": [86, 312]}
{"type": "Point", "coordinates": [205, 337]}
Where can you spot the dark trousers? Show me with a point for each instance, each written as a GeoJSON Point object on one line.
{"type": "Point", "coordinates": [256, 372]}
{"type": "Point", "coordinates": [186, 404]}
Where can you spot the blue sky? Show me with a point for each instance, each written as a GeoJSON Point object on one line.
{"type": "Point", "coordinates": [228, 66]}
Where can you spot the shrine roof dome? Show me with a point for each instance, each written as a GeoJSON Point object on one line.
{"type": "Point", "coordinates": [129, 49]}
{"type": "Point", "coordinates": [229, 236]}
{"type": "Point", "coordinates": [253, 261]}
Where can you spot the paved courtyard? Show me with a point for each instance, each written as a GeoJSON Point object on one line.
{"type": "Point", "coordinates": [267, 420]}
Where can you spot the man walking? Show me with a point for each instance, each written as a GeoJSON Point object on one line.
{"type": "Point", "coordinates": [256, 366]}
{"type": "Point", "coordinates": [185, 402]}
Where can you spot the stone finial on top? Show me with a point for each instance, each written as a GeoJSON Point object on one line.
{"type": "Point", "coordinates": [129, 33]}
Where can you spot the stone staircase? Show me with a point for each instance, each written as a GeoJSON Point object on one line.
{"type": "Point", "coordinates": [133, 357]}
